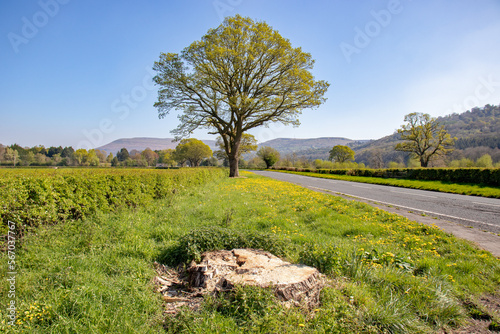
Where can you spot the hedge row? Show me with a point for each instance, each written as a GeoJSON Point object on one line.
{"type": "Point", "coordinates": [483, 176]}
{"type": "Point", "coordinates": [32, 197]}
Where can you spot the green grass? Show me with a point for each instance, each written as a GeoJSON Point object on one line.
{"type": "Point", "coordinates": [447, 187]}
{"type": "Point", "coordinates": [385, 273]}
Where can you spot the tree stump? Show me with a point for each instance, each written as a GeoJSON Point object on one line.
{"type": "Point", "coordinates": [221, 270]}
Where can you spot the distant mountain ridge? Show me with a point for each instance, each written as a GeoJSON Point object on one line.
{"type": "Point", "coordinates": [310, 148]}
{"type": "Point", "coordinates": [141, 143]}
{"type": "Point", "coordinates": [289, 145]}
{"type": "Point", "coordinates": [302, 147]}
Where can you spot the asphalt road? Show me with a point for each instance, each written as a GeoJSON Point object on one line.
{"type": "Point", "coordinates": [478, 212]}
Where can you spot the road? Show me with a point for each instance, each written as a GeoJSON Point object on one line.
{"type": "Point", "coordinates": [478, 212]}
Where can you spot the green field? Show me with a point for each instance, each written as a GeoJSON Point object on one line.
{"type": "Point", "coordinates": [448, 187]}
{"type": "Point", "coordinates": [385, 274]}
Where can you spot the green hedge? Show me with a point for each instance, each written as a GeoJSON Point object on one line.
{"type": "Point", "coordinates": [483, 176]}
{"type": "Point", "coordinates": [32, 197]}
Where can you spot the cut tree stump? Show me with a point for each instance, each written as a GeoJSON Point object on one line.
{"type": "Point", "coordinates": [293, 284]}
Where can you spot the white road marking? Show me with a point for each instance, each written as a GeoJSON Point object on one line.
{"type": "Point", "coordinates": [409, 208]}
{"type": "Point", "coordinates": [407, 193]}
{"type": "Point", "coordinates": [358, 186]}
{"type": "Point", "coordinates": [486, 204]}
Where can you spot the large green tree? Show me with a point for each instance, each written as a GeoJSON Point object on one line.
{"type": "Point", "coordinates": [424, 138]}
{"type": "Point", "coordinates": [240, 75]}
{"type": "Point", "coordinates": [341, 153]}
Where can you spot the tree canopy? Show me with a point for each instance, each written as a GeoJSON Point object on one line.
{"type": "Point", "coordinates": [192, 150]}
{"type": "Point", "coordinates": [269, 155]}
{"type": "Point", "coordinates": [424, 137]}
{"type": "Point", "coordinates": [240, 75]}
{"type": "Point", "coordinates": [341, 153]}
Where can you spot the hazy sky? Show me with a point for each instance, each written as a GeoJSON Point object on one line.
{"type": "Point", "coordinates": [78, 73]}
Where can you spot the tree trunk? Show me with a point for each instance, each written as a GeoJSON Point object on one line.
{"type": "Point", "coordinates": [423, 162]}
{"type": "Point", "coordinates": [234, 157]}
{"type": "Point", "coordinates": [233, 167]}
{"type": "Point", "coordinates": [293, 284]}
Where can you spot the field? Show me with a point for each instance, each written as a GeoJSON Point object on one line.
{"type": "Point", "coordinates": [385, 273]}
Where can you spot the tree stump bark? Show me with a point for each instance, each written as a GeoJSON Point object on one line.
{"type": "Point", "coordinates": [294, 284]}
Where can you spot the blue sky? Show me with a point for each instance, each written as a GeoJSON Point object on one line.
{"type": "Point", "coordinates": [78, 73]}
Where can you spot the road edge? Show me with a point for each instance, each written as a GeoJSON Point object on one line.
{"type": "Point", "coordinates": [481, 239]}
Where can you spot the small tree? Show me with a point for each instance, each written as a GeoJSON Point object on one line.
{"type": "Point", "coordinates": [269, 155]}
{"type": "Point", "coordinates": [150, 156]}
{"type": "Point", "coordinates": [92, 158]}
{"type": "Point", "coordinates": [68, 152]}
{"type": "Point", "coordinates": [122, 155]}
{"type": "Point", "coordinates": [341, 154]}
{"type": "Point", "coordinates": [192, 150]}
{"type": "Point", "coordinates": [11, 155]}
{"type": "Point", "coordinates": [80, 156]}
{"type": "Point", "coordinates": [485, 161]}
{"type": "Point", "coordinates": [167, 157]}
{"type": "Point", "coordinates": [101, 155]}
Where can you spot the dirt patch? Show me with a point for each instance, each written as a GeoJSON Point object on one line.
{"type": "Point", "coordinates": [172, 284]}
{"type": "Point", "coordinates": [485, 311]}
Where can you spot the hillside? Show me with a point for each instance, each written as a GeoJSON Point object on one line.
{"type": "Point", "coordinates": [290, 145]}
{"type": "Point", "coordinates": [477, 132]}
{"type": "Point", "coordinates": [310, 148]}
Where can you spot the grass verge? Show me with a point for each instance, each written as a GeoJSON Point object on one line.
{"type": "Point", "coordinates": [387, 274]}
{"type": "Point", "coordinates": [447, 187]}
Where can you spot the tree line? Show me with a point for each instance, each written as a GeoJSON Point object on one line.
{"type": "Point", "coordinates": [189, 152]}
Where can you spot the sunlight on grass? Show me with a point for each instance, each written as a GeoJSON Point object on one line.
{"type": "Point", "coordinates": [385, 273]}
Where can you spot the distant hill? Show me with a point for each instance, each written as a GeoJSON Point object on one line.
{"type": "Point", "coordinates": [310, 148]}
{"type": "Point", "coordinates": [141, 143]}
{"type": "Point", "coordinates": [289, 145]}
{"type": "Point", "coordinates": [477, 132]}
